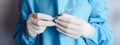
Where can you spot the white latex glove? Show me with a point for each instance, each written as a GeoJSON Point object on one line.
{"type": "Point", "coordinates": [37, 23]}
{"type": "Point", "coordinates": [73, 27]}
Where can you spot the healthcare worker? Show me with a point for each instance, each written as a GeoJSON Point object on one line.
{"type": "Point", "coordinates": [63, 22]}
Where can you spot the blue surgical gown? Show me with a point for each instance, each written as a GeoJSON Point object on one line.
{"type": "Point", "coordinates": [92, 11]}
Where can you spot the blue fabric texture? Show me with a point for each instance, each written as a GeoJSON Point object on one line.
{"type": "Point", "coordinates": [94, 12]}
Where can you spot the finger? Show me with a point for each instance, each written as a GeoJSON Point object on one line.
{"type": "Point", "coordinates": [64, 19]}
{"type": "Point", "coordinates": [33, 21]}
{"type": "Point", "coordinates": [71, 19]}
{"type": "Point", "coordinates": [42, 29]}
{"type": "Point", "coordinates": [42, 22]}
{"type": "Point", "coordinates": [46, 23]}
{"type": "Point", "coordinates": [41, 16]}
{"type": "Point", "coordinates": [69, 35]}
{"type": "Point", "coordinates": [77, 21]}
{"type": "Point", "coordinates": [35, 27]}
{"type": "Point", "coordinates": [28, 20]}
{"type": "Point", "coordinates": [44, 16]}
{"type": "Point", "coordinates": [68, 25]}
{"type": "Point", "coordinates": [64, 24]}
{"type": "Point", "coordinates": [69, 31]}
{"type": "Point", "coordinates": [32, 29]}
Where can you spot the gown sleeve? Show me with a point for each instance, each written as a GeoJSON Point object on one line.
{"type": "Point", "coordinates": [20, 34]}
{"type": "Point", "coordinates": [99, 19]}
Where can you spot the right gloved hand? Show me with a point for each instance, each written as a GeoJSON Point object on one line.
{"type": "Point", "coordinates": [37, 23]}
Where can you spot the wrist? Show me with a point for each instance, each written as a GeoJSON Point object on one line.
{"type": "Point", "coordinates": [31, 34]}
{"type": "Point", "coordinates": [88, 33]}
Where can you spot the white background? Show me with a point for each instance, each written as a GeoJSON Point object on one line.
{"type": "Point", "coordinates": [9, 14]}
{"type": "Point", "coordinates": [114, 19]}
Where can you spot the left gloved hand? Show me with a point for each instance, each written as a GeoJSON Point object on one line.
{"type": "Point", "coordinates": [73, 27]}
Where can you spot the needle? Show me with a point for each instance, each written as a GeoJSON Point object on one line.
{"type": "Point", "coordinates": [68, 10]}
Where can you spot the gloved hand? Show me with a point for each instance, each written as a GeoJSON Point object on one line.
{"type": "Point", "coordinates": [37, 23]}
{"type": "Point", "coordinates": [73, 27]}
